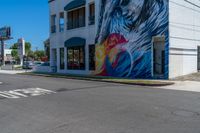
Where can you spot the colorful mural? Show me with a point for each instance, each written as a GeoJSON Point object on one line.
{"type": "Point", "coordinates": [124, 38]}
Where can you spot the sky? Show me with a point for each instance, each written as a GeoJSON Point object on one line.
{"type": "Point", "coordinates": [28, 19]}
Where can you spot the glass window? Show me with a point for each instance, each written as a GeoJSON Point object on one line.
{"type": "Point", "coordinates": [76, 58]}
{"type": "Point", "coordinates": [62, 60]}
{"type": "Point", "coordinates": [92, 57]}
{"type": "Point", "coordinates": [53, 23]}
{"type": "Point", "coordinates": [92, 14]}
{"type": "Point", "coordinates": [76, 18]}
{"type": "Point", "coordinates": [61, 22]}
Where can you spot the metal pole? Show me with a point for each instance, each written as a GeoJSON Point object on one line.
{"type": "Point", "coordinates": [2, 52]}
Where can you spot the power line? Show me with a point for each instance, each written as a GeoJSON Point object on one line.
{"type": "Point", "coordinates": [182, 38]}
{"type": "Point", "coordinates": [185, 6]}
{"type": "Point", "coordinates": [192, 3]}
{"type": "Point", "coordinates": [180, 27]}
{"type": "Point", "coordinates": [185, 24]}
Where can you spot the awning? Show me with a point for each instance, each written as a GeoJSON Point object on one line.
{"type": "Point", "coordinates": [74, 4]}
{"type": "Point", "coordinates": [75, 41]}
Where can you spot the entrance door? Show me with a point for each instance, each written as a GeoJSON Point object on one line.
{"type": "Point", "coordinates": [159, 56]}
{"type": "Point", "coordinates": [198, 55]}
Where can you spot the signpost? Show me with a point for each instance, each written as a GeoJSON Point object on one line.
{"type": "Point", "coordinates": [5, 34]}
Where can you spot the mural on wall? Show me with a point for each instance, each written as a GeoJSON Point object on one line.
{"type": "Point", "coordinates": [124, 38]}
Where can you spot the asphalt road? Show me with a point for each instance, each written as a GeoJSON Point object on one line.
{"type": "Point", "coordinates": [75, 106]}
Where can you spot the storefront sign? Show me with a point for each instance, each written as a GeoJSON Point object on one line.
{"type": "Point", "coordinates": [5, 32]}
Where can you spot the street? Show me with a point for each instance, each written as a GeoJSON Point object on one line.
{"type": "Point", "coordinates": [56, 105]}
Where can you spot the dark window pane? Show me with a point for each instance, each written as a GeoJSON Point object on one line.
{"type": "Point", "coordinates": [70, 20]}
{"type": "Point", "coordinates": [92, 14]}
{"type": "Point", "coordinates": [62, 60]}
{"type": "Point", "coordinates": [76, 18]}
{"type": "Point", "coordinates": [92, 57]}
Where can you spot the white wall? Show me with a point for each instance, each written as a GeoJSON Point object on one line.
{"type": "Point", "coordinates": [57, 39]}
{"type": "Point", "coordinates": [184, 29]}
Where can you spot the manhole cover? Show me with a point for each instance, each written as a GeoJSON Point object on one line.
{"type": "Point", "coordinates": [184, 113]}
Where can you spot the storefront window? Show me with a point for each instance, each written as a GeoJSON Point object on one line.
{"type": "Point", "coordinates": [76, 58]}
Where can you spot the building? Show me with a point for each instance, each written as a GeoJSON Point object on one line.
{"type": "Point", "coordinates": [7, 55]}
{"type": "Point", "coordinates": [157, 39]}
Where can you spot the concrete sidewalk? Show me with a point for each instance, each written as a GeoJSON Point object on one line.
{"type": "Point", "coordinates": [13, 71]}
{"type": "Point", "coordinates": [193, 86]}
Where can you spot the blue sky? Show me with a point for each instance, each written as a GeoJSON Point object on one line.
{"type": "Point", "coordinates": [28, 19]}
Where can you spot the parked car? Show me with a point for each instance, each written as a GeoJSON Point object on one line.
{"type": "Point", "coordinates": [28, 65]}
{"type": "Point", "coordinates": [45, 64]}
{"type": "Point", "coordinates": [36, 63]}
{"type": "Point", "coordinates": [44, 67]}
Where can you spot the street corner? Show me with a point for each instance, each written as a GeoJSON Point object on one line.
{"type": "Point", "coordinates": [187, 85]}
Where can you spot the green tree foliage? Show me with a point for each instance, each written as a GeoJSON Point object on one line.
{"type": "Point", "coordinates": [27, 47]}
{"type": "Point", "coordinates": [15, 54]}
{"type": "Point", "coordinates": [39, 54]}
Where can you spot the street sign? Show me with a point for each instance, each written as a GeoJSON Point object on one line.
{"type": "Point", "coordinates": [5, 33]}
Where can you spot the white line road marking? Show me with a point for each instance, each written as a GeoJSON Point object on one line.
{"type": "Point", "coordinates": [22, 93]}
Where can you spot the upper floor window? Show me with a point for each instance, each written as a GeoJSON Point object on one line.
{"type": "Point", "coordinates": [61, 22]}
{"type": "Point", "coordinates": [53, 23]}
{"type": "Point", "coordinates": [92, 14]}
{"type": "Point", "coordinates": [76, 18]}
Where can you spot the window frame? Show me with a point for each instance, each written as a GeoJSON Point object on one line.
{"type": "Point", "coordinates": [73, 60]}
{"type": "Point", "coordinates": [74, 18]}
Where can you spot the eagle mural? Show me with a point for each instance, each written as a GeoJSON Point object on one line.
{"type": "Point", "coordinates": [124, 38]}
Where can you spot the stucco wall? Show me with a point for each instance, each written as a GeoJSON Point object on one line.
{"type": "Point", "coordinates": [184, 29]}
{"type": "Point", "coordinates": [57, 39]}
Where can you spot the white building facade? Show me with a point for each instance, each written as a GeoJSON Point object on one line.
{"type": "Point", "coordinates": [99, 37]}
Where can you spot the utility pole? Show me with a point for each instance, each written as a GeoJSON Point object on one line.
{"type": "Point", "coordinates": [5, 33]}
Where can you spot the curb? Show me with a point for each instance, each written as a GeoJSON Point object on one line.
{"type": "Point", "coordinates": [101, 80]}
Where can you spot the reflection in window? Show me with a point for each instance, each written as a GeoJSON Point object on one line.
{"type": "Point", "coordinates": [61, 22]}
{"type": "Point", "coordinates": [76, 58]}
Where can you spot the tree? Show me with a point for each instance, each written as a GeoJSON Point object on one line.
{"type": "Point", "coordinates": [28, 52]}
{"type": "Point", "coordinates": [28, 48]}
{"type": "Point", "coordinates": [39, 54]}
{"type": "Point", "coordinates": [15, 55]}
